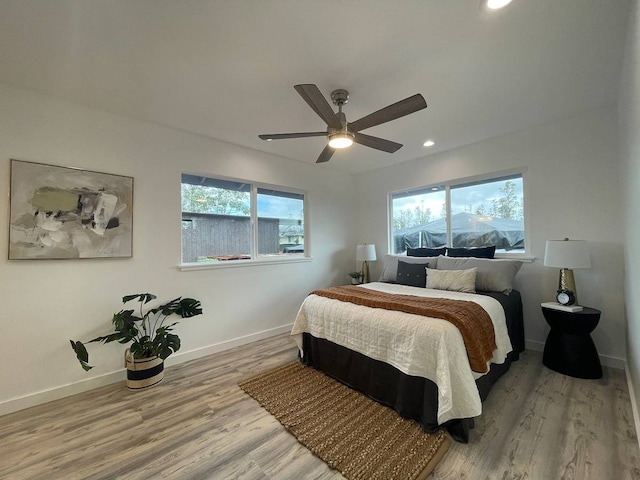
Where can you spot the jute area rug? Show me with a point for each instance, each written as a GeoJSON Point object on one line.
{"type": "Point", "coordinates": [351, 433]}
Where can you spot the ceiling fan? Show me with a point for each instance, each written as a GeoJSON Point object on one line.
{"type": "Point", "coordinates": [341, 133]}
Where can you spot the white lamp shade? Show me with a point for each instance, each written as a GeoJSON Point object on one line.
{"type": "Point", "coordinates": [567, 254]}
{"type": "Point", "coordinates": [366, 253]}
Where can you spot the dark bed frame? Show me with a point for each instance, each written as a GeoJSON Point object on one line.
{"type": "Point", "coordinates": [412, 397]}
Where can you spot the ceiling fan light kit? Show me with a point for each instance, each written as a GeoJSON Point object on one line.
{"type": "Point", "coordinates": [342, 134]}
{"type": "Point", "coordinates": [340, 140]}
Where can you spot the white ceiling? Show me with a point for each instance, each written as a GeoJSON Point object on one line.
{"type": "Point", "coordinates": [226, 68]}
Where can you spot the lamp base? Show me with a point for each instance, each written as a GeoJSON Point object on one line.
{"type": "Point", "coordinates": [365, 272]}
{"type": "Point", "coordinates": [567, 283]}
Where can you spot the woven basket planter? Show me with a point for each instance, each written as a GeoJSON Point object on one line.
{"type": "Point", "coordinates": [143, 372]}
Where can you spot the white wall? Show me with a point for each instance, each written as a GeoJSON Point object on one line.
{"type": "Point", "coordinates": [47, 302]}
{"type": "Point", "coordinates": [629, 117]}
{"type": "Point", "coordinates": [572, 190]}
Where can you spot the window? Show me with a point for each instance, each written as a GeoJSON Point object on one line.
{"type": "Point", "coordinates": [225, 220]}
{"type": "Point", "coordinates": [461, 214]}
{"type": "Point", "coordinates": [414, 209]}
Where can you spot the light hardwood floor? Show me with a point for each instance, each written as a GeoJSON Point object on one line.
{"type": "Point", "coordinates": [198, 424]}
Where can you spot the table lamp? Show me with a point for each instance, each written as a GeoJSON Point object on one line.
{"type": "Point", "coordinates": [365, 253]}
{"type": "Point", "coordinates": [567, 254]}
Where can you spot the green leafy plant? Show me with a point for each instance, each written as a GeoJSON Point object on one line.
{"type": "Point", "coordinates": [355, 275]}
{"type": "Point", "coordinates": [146, 331]}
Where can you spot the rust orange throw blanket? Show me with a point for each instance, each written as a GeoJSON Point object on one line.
{"type": "Point", "coordinates": [471, 319]}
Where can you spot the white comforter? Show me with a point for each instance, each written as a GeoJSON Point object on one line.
{"type": "Point", "coordinates": [422, 346]}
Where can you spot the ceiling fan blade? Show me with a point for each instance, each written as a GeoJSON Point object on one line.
{"type": "Point", "coordinates": [391, 112]}
{"type": "Point", "coordinates": [312, 95]}
{"type": "Point", "coordinates": [280, 136]}
{"type": "Point", "coordinates": [326, 154]}
{"type": "Point", "coordinates": [376, 142]}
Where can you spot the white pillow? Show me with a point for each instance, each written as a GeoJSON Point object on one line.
{"type": "Point", "coordinates": [390, 265]}
{"type": "Point", "coordinates": [454, 280]}
{"type": "Point", "coordinates": [494, 275]}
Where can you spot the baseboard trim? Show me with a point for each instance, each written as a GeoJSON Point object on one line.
{"type": "Point", "coordinates": [606, 360]}
{"type": "Point", "coordinates": [634, 403]}
{"type": "Point", "coordinates": [226, 345]}
{"type": "Point", "coordinates": [534, 345]}
{"type": "Point", "coordinates": [44, 396]}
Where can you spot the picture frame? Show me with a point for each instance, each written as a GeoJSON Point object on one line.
{"type": "Point", "coordinates": [68, 213]}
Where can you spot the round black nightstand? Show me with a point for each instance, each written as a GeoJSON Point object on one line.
{"type": "Point", "coordinates": [569, 348]}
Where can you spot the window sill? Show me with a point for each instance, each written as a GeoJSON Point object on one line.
{"type": "Point", "coordinates": [515, 256]}
{"type": "Point", "coordinates": [187, 267]}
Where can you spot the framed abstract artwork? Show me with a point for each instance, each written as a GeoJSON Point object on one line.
{"type": "Point", "coordinates": [61, 212]}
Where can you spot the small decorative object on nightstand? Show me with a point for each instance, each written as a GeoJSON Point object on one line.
{"type": "Point", "coordinates": [569, 348]}
{"type": "Point", "coordinates": [563, 307]}
{"type": "Point", "coordinates": [355, 277]}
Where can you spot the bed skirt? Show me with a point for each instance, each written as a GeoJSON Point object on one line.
{"type": "Point", "coordinates": [412, 397]}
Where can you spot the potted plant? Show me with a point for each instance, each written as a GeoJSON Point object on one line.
{"type": "Point", "coordinates": [355, 277]}
{"type": "Point", "coordinates": [150, 337]}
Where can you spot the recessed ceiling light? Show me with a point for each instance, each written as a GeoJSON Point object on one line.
{"type": "Point", "coordinates": [429, 143]}
{"type": "Point", "coordinates": [496, 4]}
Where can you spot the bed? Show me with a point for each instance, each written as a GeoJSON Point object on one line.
{"type": "Point", "coordinates": [416, 364]}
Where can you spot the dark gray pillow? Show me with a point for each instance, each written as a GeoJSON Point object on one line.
{"type": "Point", "coordinates": [476, 252]}
{"type": "Point", "coordinates": [412, 274]}
{"type": "Point", "coordinates": [390, 265]}
{"type": "Point", "coordinates": [425, 252]}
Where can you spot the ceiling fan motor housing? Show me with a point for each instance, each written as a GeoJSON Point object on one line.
{"type": "Point", "coordinates": [340, 97]}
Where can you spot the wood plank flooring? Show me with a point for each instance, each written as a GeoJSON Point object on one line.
{"type": "Point", "coordinates": [198, 424]}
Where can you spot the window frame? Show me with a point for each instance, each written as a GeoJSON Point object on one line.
{"type": "Point", "coordinates": [460, 182]}
{"type": "Point", "coordinates": [256, 258]}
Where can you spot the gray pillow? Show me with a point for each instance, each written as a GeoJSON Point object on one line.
{"type": "Point", "coordinates": [390, 265]}
{"type": "Point", "coordinates": [493, 275]}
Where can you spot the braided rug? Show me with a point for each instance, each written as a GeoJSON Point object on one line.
{"type": "Point", "coordinates": [351, 433]}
